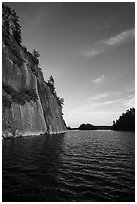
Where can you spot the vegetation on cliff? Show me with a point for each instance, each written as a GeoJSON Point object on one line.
{"type": "Point", "coordinates": [11, 31]}
{"type": "Point", "coordinates": [22, 96]}
{"type": "Point", "coordinates": [126, 121]}
{"type": "Point", "coordinates": [6, 101]}
{"type": "Point", "coordinates": [10, 24]}
{"type": "Point", "coordinates": [36, 55]}
{"type": "Point", "coordinates": [51, 85]}
{"type": "Point", "coordinates": [29, 106]}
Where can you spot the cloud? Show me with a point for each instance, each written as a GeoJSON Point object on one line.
{"type": "Point", "coordinates": [112, 101]}
{"type": "Point", "coordinates": [113, 41]}
{"type": "Point", "coordinates": [125, 102]}
{"type": "Point", "coordinates": [98, 96]}
{"type": "Point", "coordinates": [98, 80]}
{"type": "Point", "coordinates": [120, 38]}
{"type": "Point", "coordinates": [100, 108]}
{"type": "Point", "coordinates": [129, 102]}
{"type": "Point", "coordinates": [91, 53]}
{"type": "Point", "coordinates": [93, 110]}
{"type": "Point", "coordinates": [94, 51]}
{"type": "Point", "coordinates": [94, 104]}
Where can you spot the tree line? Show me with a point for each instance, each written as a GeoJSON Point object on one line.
{"type": "Point", "coordinates": [126, 121]}
{"type": "Point", "coordinates": [87, 127]}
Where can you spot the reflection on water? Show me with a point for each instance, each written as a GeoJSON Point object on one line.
{"type": "Point", "coordinates": [76, 166]}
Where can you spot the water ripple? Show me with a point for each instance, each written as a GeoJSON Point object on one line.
{"type": "Point", "coordinates": [87, 166]}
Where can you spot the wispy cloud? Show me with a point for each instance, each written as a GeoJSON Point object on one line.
{"type": "Point", "coordinates": [129, 102]}
{"type": "Point", "coordinates": [120, 38]}
{"type": "Point", "coordinates": [112, 101]}
{"type": "Point", "coordinates": [99, 80]}
{"type": "Point", "coordinates": [98, 96]}
{"type": "Point", "coordinates": [107, 105]}
{"type": "Point", "coordinates": [92, 52]}
{"type": "Point", "coordinates": [102, 45]}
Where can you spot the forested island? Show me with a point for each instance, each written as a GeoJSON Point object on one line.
{"type": "Point", "coordinates": [89, 126]}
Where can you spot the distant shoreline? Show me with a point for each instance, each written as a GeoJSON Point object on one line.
{"type": "Point", "coordinates": [103, 127]}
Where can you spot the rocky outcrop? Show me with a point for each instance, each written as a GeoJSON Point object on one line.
{"type": "Point", "coordinates": [29, 108]}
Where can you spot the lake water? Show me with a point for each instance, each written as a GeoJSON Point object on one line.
{"type": "Point", "coordinates": [75, 166]}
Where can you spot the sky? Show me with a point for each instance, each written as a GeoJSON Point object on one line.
{"type": "Point", "coordinates": [89, 49]}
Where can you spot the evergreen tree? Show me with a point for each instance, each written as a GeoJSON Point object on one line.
{"type": "Point", "coordinates": [126, 121]}
{"type": "Point", "coordinates": [16, 27]}
{"type": "Point", "coordinates": [51, 85]}
{"type": "Point", "coordinates": [10, 24]}
{"type": "Point", "coordinates": [60, 101]}
{"type": "Point", "coordinates": [5, 18]}
{"type": "Point", "coordinates": [36, 55]}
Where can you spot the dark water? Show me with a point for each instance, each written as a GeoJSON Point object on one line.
{"type": "Point", "coordinates": [77, 166]}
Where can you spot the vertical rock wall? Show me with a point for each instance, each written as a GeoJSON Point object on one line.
{"type": "Point", "coordinates": [41, 116]}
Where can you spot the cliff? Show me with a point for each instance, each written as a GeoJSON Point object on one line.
{"type": "Point", "coordinates": [28, 106]}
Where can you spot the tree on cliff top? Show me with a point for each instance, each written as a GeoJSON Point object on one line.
{"type": "Point", "coordinates": [51, 85]}
{"type": "Point", "coordinates": [10, 24]}
{"type": "Point", "coordinates": [36, 55]}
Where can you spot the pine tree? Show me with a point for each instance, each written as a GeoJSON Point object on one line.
{"type": "Point", "coordinates": [10, 24]}
{"type": "Point", "coordinates": [36, 55]}
{"type": "Point", "coordinates": [51, 85]}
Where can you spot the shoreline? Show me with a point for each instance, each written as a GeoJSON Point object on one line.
{"type": "Point", "coordinates": [10, 136]}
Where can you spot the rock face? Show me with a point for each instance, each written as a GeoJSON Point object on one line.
{"type": "Point", "coordinates": [29, 108]}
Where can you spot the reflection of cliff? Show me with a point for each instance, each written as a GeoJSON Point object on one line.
{"type": "Point", "coordinates": [29, 108]}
